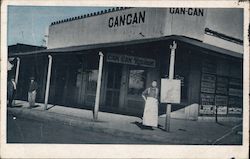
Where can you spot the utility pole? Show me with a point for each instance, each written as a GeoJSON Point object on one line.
{"type": "Point", "coordinates": [171, 76]}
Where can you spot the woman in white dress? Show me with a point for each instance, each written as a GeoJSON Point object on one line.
{"type": "Point", "coordinates": [150, 115]}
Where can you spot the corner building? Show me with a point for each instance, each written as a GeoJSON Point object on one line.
{"type": "Point", "coordinates": [135, 44]}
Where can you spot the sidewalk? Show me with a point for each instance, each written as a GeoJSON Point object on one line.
{"type": "Point", "coordinates": [181, 131]}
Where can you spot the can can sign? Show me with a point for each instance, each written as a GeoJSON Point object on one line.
{"type": "Point", "coordinates": [170, 91]}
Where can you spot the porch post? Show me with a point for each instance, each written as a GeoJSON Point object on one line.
{"type": "Point", "coordinates": [48, 83]}
{"type": "Point", "coordinates": [98, 89]}
{"type": "Point", "coordinates": [17, 70]}
{"type": "Point", "coordinates": [171, 76]}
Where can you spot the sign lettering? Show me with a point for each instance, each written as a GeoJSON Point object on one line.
{"type": "Point", "coordinates": [208, 83]}
{"type": "Point", "coordinates": [234, 110]}
{"type": "Point", "coordinates": [131, 60]}
{"type": "Point", "coordinates": [221, 103]}
{"type": "Point", "coordinates": [187, 11]}
{"type": "Point", "coordinates": [122, 20]}
{"type": "Point", "coordinates": [207, 104]}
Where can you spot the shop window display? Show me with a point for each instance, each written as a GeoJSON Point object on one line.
{"type": "Point", "coordinates": [137, 81]}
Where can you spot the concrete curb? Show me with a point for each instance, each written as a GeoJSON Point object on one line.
{"type": "Point", "coordinates": [90, 125]}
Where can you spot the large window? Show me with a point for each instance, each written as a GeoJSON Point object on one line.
{"type": "Point", "coordinates": [137, 81]}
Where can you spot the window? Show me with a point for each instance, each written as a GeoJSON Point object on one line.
{"type": "Point", "coordinates": [137, 81]}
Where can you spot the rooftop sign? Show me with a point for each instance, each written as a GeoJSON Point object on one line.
{"type": "Point", "coordinates": [187, 11]}
{"type": "Point", "coordinates": [129, 24]}
{"type": "Point", "coordinates": [127, 19]}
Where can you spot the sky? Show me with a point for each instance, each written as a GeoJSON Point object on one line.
{"type": "Point", "coordinates": [29, 24]}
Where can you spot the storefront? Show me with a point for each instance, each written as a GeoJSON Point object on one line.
{"type": "Point", "coordinates": [135, 44]}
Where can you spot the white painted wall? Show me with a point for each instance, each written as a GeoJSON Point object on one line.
{"type": "Point", "coordinates": [223, 44]}
{"type": "Point", "coordinates": [94, 30]}
{"type": "Point", "coordinates": [158, 23]}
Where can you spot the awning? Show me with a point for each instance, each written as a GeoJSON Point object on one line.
{"type": "Point", "coordinates": [187, 40]}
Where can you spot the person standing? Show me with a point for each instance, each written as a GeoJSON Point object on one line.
{"type": "Point", "coordinates": [150, 115]}
{"type": "Point", "coordinates": [11, 91]}
{"type": "Point", "coordinates": [32, 92]}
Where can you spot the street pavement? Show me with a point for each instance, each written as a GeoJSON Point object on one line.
{"type": "Point", "coordinates": [114, 128]}
{"type": "Point", "coordinates": [21, 130]}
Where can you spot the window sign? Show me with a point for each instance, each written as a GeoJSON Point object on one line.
{"type": "Point", "coordinates": [235, 105]}
{"type": "Point", "coordinates": [222, 85]}
{"type": "Point", "coordinates": [221, 104]}
{"type": "Point", "coordinates": [207, 109]}
{"type": "Point", "coordinates": [207, 103]}
{"type": "Point", "coordinates": [208, 83]}
{"type": "Point", "coordinates": [234, 110]}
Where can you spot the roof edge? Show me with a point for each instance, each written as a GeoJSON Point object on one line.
{"type": "Point", "coordinates": [188, 40]}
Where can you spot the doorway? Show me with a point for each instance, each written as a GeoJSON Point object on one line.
{"type": "Point", "coordinates": [113, 85]}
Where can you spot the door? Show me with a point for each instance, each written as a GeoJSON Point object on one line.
{"type": "Point", "coordinates": [113, 85]}
{"type": "Point", "coordinates": [60, 81]}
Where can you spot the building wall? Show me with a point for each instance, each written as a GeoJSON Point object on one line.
{"type": "Point", "coordinates": [214, 81]}
{"type": "Point", "coordinates": [208, 79]}
{"type": "Point", "coordinates": [95, 29]}
{"type": "Point", "coordinates": [157, 22]}
{"type": "Point", "coordinates": [221, 86]}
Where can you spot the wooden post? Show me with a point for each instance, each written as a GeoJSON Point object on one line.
{"type": "Point", "coordinates": [48, 83]}
{"type": "Point", "coordinates": [17, 73]}
{"type": "Point", "coordinates": [17, 70]}
{"type": "Point", "coordinates": [98, 89]}
{"type": "Point", "coordinates": [171, 76]}
{"type": "Point", "coordinates": [216, 114]}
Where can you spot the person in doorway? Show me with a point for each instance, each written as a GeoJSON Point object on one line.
{"type": "Point", "coordinates": [32, 92]}
{"type": "Point", "coordinates": [150, 115]}
{"type": "Point", "coordinates": [11, 91]}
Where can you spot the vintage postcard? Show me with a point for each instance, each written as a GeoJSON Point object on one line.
{"type": "Point", "coordinates": [124, 79]}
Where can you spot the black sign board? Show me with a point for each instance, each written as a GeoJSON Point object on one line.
{"type": "Point", "coordinates": [222, 85]}
{"type": "Point", "coordinates": [208, 83]}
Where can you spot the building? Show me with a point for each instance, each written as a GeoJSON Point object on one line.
{"type": "Point", "coordinates": [134, 45]}
{"type": "Point", "coordinates": [14, 60]}
{"type": "Point", "coordinates": [21, 48]}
